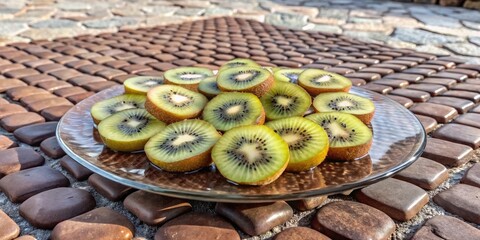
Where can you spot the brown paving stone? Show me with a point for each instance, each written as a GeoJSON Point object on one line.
{"type": "Point", "coordinates": [10, 109]}
{"type": "Point", "coordinates": [462, 200]}
{"type": "Point", "coordinates": [476, 109]}
{"type": "Point", "coordinates": [10, 67]}
{"type": "Point", "coordinates": [55, 113]}
{"type": "Point", "coordinates": [414, 95]}
{"type": "Point", "coordinates": [472, 176]}
{"type": "Point", "coordinates": [357, 81]}
{"type": "Point", "coordinates": [382, 89]}
{"type": "Point", "coordinates": [12, 122]}
{"type": "Point", "coordinates": [53, 85]}
{"type": "Point", "coordinates": [394, 83]}
{"type": "Point", "coordinates": [432, 66]}
{"type": "Point", "coordinates": [467, 87]}
{"type": "Point", "coordinates": [457, 76]}
{"type": "Point", "coordinates": [19, 186]}
{"type": "Point", "coordinates": [6, 84]}
{"type": "Point", "coordinates": [364, 75]}
{"type": "Point", "coordinates": [424, 173]}
{"type": "Point", "coordinates": [257, 218]}
{"type": "Point", "coordinates": [35, 133]}
{"type": "Point", "coordinates": [446, 227]}
{"type": "Point", "coordinates": [84, 79]}
{"type": "Point", "coordinates": [69, 202]}
{"type": "Point", "coordinates": [398, 199]}
{"type": "Point", "coordinates": [19, 158]}
{"type": "Point", "coordinates": [112, 190]}
{"type": "Point", "coordinates": [51, 148]}
{"type": "Point", "coordinates": [197, 226]}
{"type": "Point", "coordinates": [300, 233]}
{"type": "Point", "coordinates": [9, 229]}
{"type": "Point", "coordinates": [308, 203]}
{"type": "Point", "coordinates": [46, 68]}
{"type": "Point", "coordinates": [154, 209]}
{"type": "Point", "coordinates": [65, 74]}
{"type": "Point", "coordinates": [401, 100]}
{"type": "Point", "coordinates": [440, 81]}
{"type": "Point", "coordinates": [441, 113]}
{"type": "Point", "coordinates": [395, 67]}
{"type": "Point", "coordinates": [460, 134]}
{"type": "Point", "coordinates": [428, 123]}
{"type": "Point", "coordinates": [37, 78]}
{"type": "Point", "coordinates": [381, 71]}
{"type": "Point", "coordinates": [352, 220]}
{"type": "Point", "coordinates": [26, 237]}
{"type": "Point", "coordinates": [36, 63]}
{"type": "Point", "coordinates": [99, 86]}
{"type": "Point", "coordinates": [447, 153]}
{"type": "Point", "coordinates": [421, 71]}
{"type": "Point", "coordinates": [6, 143]}
{"type": "Point", "coordinates": [69, 91]}
{"type": "Point", "coordinates": [339, 70]}
{"type": "Point", "coordinates": [20, 92]}
{"type": "Point", "coordinates": [469, 119]}
{"type": "Point", "coordinates": [100, 223]}
{"type": "Point", "coordinates": [433, 89]}
{"type": "Point", "coordinates": [35, 98]}
{"type": "Point", "coordinates": [48, 103]}
{"type": "Point", "coordinates": [79, 97]}
{"type": "Point", "coordinates": [472, 96]}
{"type": "Point", "coordinates": [468, 72]}
{"type": "Point", "coordinates": [475, 81]}
{"type": "Point", "coordinates": [19, 73]}
{"type": "Point", "coordinates": [3, 101]}
{"type": "Point", "coordinates": [412, 78]}
{"type": "Point", "coordinates": [74, 168]}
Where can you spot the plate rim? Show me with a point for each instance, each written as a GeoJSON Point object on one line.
{"type": "Point", "coordinates": [236, 198]}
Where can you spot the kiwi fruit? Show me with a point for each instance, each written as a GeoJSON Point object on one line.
{"type": "Point", "coordinates": [171, 103]}
{"type": "Point", "coordinates": [129, 130]}
{"type": "Point", "coordinates": [233, 109]}
{"type": "Point", "coordinates": [238, 62]}
{"type": "Point", "coordinates": [307, 142]}
{"type": "Point", "coordinates": [141, 84]}
{"type": "Point", "coordinates": [361, 107]}
{"type": "Point", "coordinates": [349, 137]}
{"type": "Point", "coordinates": [317, 81]}
{"type": "Point", "coordinates": [285, 100]}
{"type": "Point", "coordinates": [288, 74]}
{"type": "Point", "coordinates": [187, 77]}
{"type": "Point", "coordinates": [208, 87]}
{"type": "Point", "coordinates": [254, 80]}
{"type": "Point", "coordinates": [105, 108]}
{"type": "Point", "coordinates": [251, 155]}
{"type": "Point", "coordinates": [183, 146]}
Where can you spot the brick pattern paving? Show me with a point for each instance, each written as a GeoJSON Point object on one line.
{"type": "Point", "coordinates": [75, 68]}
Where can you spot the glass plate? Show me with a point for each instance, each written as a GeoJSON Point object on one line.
{"type": "Point", "coordinates": [398, 140]}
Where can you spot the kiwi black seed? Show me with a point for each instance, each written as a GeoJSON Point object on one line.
{"type": "Point", "coordinates": [285, 100]}
{"type": "Point", "coordinates": [349, 137]}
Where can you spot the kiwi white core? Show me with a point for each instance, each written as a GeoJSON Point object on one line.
{"type": "Point", "coordinates": [191, 76]}
{"type": "Point", "coordinates": [338, 130]}
{"type": "Point", "coordinates": [243, 76]}
{"type": "Point", "coordinates": [324, 78]}
{"type": "Point", "coordinates": [179, 99]}
{"type": "Point", "coordinates": [250, 151]}
{"type": "Point", "coordinates": [134, 123]}
{"type": "Point", "coordinates": [345, 103]}
{"type": "Point", "coordinates": [283, 101]}
{"type": "Point", "coordinates": [234, 109]}
{"type": "Point", "coordinates": [150, 83]}
{"type": "Point", "coordinates": [184, 138]}
{"type": "Point", "coordinates": [124, 107]}
{"type": "Point", "coordinates": [291, 138]}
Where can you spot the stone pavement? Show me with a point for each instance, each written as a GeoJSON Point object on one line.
{"type": "Point", "coordinates": [426, 28]}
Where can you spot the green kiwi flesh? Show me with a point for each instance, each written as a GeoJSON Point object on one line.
{"type": "Point", "coordinates": [241, 78]}
{"type": "Point", "coordinates": [285, 100]}
{"type": "Point", "coordinates": [233, 109]}
{"type": "Point", "coordinates": [238, 62]}
{"type": "Point", "coordinates": [142, 84]}
{"type": "Point", "coordinates": [359, 106]}
{"type": "Point", "coordinates": [208, 87]}
{"type": "Point", "coordinates": [251, 155]}
{"type": "Point", "coordinates": [323, 80]}
{"type": "Point", "coordinates": [288, 74]}
{"type": "Point", "coordinates": [187, 75]}
{"type": "Point", "coordinates": [129, 130]}
{"type": "Point", "coordinates": [105, 108]}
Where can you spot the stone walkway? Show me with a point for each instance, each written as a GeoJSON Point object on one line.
{"type": "Point", "coordinates": [427, 28]}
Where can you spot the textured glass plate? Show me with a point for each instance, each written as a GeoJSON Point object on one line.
{"type": "Point", "coordinates": [399, 140]}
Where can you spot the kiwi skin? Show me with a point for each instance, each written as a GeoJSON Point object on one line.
{"type": "Point", "coordinates": [259, 90]}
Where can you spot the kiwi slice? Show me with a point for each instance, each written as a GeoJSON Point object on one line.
{"type": "Point", "coordinates": [183, 146]}
{"type": "Point", "coordinates": [254, 80]}
{"type": "Point", "coordinates": [317, 81]}
{"type": "Point", "coordinates": [129, 130]}
{"type": "Point", "coordinates": [288, 74]}
{"type": "Point", "coordinates": [238, 62]}
{"type": "Point", "coordinates": [229, 110]}
{"type": "Point", "coordinates": [251, 155]}
{"type": "Point", "coordinates": [361, 107]}
{"type": "Point", "coordinates": [349, 137]}
{"type": "Point", "coordinates": [187, 77]}
{"type": "Point", "coordinates": [285, 100]}
{"type": "Point", "coordinates": [208, 87]}
{"type": "Point", "coordinates": [307, 142]}
{"type": "Point", "coordinates": [141, 84]}
{"type": "Point", "coordinates": [170, 103]}
{"type": "Point", "coordinates": [105, 108]}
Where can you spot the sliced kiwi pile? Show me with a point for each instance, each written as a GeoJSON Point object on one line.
{"type": "Point", "coordinates": [129, 130]}
{"type": "Point", "coordinates": [105, 108]}
{"type": "Point", "coordinates": [285, 100]}
{"type": "Point", "coordinates": [141, 84]}
{"type": "Point", "coordinates": [187, 77]}
{"type": "Point", "coordinates": [180, 129]}
{"type": "Point", "coordinates": [234, 109]}
{"type": "Point", "coordinates": [349, 137]}
{"type": "Point", "coordinates": [361, 107]}
{"type": "Point", "coordinates": [317, 81]}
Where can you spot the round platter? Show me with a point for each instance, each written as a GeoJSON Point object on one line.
{"type": "Point", "coordinates": [398, 140]}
